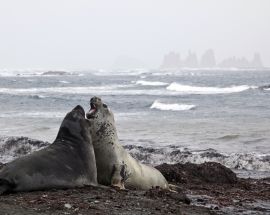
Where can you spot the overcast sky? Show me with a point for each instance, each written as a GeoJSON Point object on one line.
{"type": "Point", "coordinates": [85, 34]}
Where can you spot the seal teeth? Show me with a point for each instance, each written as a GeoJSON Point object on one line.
{"type": "Point", "coordinates": [92, 111]}
{"type": "Point", "coordinates": [93, 106]}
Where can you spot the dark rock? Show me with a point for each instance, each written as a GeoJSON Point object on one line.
{"type": "Point", "coordinates": [264, 87]}
{"type": "Point", "coordinates": [55, 73]}
{"type": "Point", "coordinates": [1, 165]}
{"type": "Point", "coordinates": [143, 149]}
{"type": "Point", "coordinates": [200, 200]}
{"type": "Point", "coordinates": [209, 172]}
{"type": "Point", "coordinates": [212, 154]}
{"type": "Point", "coordinates": [180, 153]}
{"type": "Point", "coordinates": [143, 154]}
{"type": "Point", "coordinates": [21, 145]}
{"type": "Point", "coordinates": [11, 141]}
{"type": "Point", "coordinates": [266, 179]}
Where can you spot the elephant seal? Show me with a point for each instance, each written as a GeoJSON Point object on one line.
{"type": "Point", "coordinates": [115, 166]}
{"type": "Point", "coordinates": [68, 162]}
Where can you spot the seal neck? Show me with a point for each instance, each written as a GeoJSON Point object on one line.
{"type": "Point", "coordinates": [105, 134]}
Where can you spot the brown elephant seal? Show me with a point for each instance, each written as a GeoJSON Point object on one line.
{"type": "Point", "coordinates": [68, 162]}
{"type": "Point", "coordinates": [115, 166]}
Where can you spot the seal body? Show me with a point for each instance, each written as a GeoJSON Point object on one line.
{"type": "Point", "coordinates": [68, 162]}
{"type": "Point", "coordinates": [115, 166]}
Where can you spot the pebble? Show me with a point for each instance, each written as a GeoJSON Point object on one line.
{"type": "Point", "coordinates": [68, 206]}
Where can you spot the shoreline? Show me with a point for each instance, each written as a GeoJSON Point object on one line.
{"type": "Point", "coordinates": [245, 165]}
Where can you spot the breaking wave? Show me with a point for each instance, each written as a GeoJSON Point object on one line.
{"type": "Point", "coordinates": [33, 73]}
{"type": "Point", "coordinates": [172, 154]}
{"type": "Point", "coordinates": [60, 90]}
{"type": "Point", "coordinates": [116, 89]}
{"type": "Point", "coordinates": [186, 89]}
{"type": "Point", "coordinates": [32, 115]}
{"type": "Point", "coordinates": [37, 96]}
{"type": "Point", "coordinates": [151, 83]}
{"type": "Point", "coordinates": [64, 82]}
{"type": "Point", "coordinates": [14, 147]}
{"type": "Point", "coordinates": [173, 107]}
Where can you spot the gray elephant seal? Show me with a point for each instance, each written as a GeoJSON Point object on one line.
{"type": "Point", "coordinates": [68, 162]}
{"type": "Point", "coordinates": [115, 166]}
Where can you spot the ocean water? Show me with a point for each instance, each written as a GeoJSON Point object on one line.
{"type": "Point", "coordinates": [161, 116]}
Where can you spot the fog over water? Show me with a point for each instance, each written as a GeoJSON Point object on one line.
{"type": "Point", "coordinates": [76, 35]}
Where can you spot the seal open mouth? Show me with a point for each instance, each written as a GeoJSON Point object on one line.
{"type": "Point", "coordinates": [93, 109]}
{"type": "Point", "coordinates": [95, 105]}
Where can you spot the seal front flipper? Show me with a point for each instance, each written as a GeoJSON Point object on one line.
{"type": "Point", "coordinates": [116, 179]}
{"type": "Point", "coordinates": [124, 172]}
{"type": "Point", "coordinates": [120, 174]}
{"type": "Point", "coordinates": [5, 186]}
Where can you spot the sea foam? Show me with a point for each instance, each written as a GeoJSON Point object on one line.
{"type": "Point", "coordinates": [14, 147]}
{"type": "Point", "coordinates": [39, 114]}
{"type": "Point", "coordinates": [171, 155]}
{"type": "Point", "coordinates": [61, 90]}
{"type": "Point", "coordinates": [151, 83]}
{"type": "Point", "coordinates": [64, 82]}
{"type": "Point", "coordinates": [173, 107]}
{"type": "Point", "coordinates": [187, 89]}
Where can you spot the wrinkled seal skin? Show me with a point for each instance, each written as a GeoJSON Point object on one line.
{"type": "Point", "coordinates": [68, 162]}
{"type": "Point", "coordinates": [115, 166]}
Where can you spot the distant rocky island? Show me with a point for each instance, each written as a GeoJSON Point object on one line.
{"type": "Point", "coordinates": [55, 73]}
{"type": "Point", "coordinates": [173, 60]}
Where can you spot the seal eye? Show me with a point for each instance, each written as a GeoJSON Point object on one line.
{"type": "Point", "coordinates": [105, 106]}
